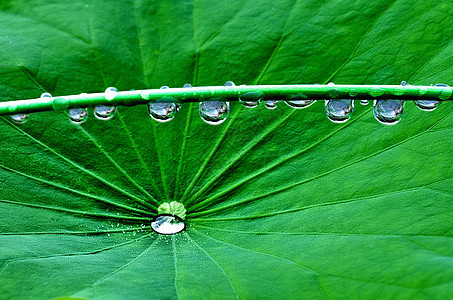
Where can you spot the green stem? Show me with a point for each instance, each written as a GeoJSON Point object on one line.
{"type": "Point", "coordinates": [197, 94]}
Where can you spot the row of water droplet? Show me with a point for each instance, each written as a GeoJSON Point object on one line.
{"type": "Point", "coordinates": [216, 111]}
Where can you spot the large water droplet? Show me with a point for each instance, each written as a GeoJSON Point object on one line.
{"type": "Point", "coordinates": [162, 111]}
{"type": "Point", "coordinates": [271, 104]}
{"type": "Point", "coordinates": [214, 112]}
{"type": "Point", "coordinates": [103, 112]}
{"type": "Point", "coordinates": [339, 110]}
{"type": "Point", "coordinates": [168, 224]}
{"type": "Point", "coordinates": [251, 99]}
{"type": "Point", "coordinates": [110, 93]}
{"type": "Point", "coordinates": [78, 115]}
{"type": "Point", "coordinates": [19, 118]}
{"type": "Point", "coordinates": [299, 101]}
{"type": "Point", "coordinates": [429, 105]}
{"type": "Point", "coordinates": [388, 112]}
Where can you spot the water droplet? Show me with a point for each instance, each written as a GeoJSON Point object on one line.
{"type": "Point", "coordinates": [271, 104]}
{"type": "Point", "coordinates": [168, 224]}
{"type": "Point", "coordinates": [110, 93]}
{"type": "Point", "coordinates": [60, 104]}
{"type": "Point", "coordinates": [251, 99]}
{"type": "Point", "coordinates": [78, 115]}
{"type": "Point", "coordinates": [46, 96]}
{"type": "Point", "coordinates": [229, 83]}
{"type": "Point", "coordinates": [103, 112]}
{"type": "Point", "coordinates": [376, 92]}
{"type": "Point", "coordinates": [364, 102]}
{"type": "Point", "coordinates": [299, 101]}
{"type": "Point", "coordinates": [399, 91]}
{"type": "Point", "coordinates": [214, 112]}
{"type": "Point", "coordinates": [423, 90]}
{"type": "Point", "coordinates": [331, 84]}
{"type": "Point", "coordinates": [353, 92]}
{"type": "Point", "coordinates": [446, 93]}
{"type": "Point", "coordinates": [333, 93]}
{"type": "Point", "coordinates": [187, 85]}
{"type": "Point", "coordinates": [403, 83]}
{"type": "Point", "coordinates": [163, 111]}
{"type": "Point", "coordinates": [388, 112]}
{"type": "Point", "coordinates": [339, 110]}
{"type": "Point", "coordinates": [19, 118]}
{"type": "Point", "coordinates": [429, 105]}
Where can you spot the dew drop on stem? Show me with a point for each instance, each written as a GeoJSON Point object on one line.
{"type": "Point", "coordinates": [299, 101]}
{"type": "Point", "coordinates": [110, 93]}
{"type": "Point", "coordinates": [250, 99]}
{"type": "Point", "coordinates": [339, 110]}
{"type": "Point", "coordinates": [388, 112]}
{"type": "Point", "coordinates": [214, 112]}
{"type": "Point", "coordinates": [271, 104]}
{"type": "Point", "coordinates": [78, 115]}
{"type": "Point", "coordinates": [163, 111]}
{"type": "Point", "coordinates": [103, 112]}
{"type": "Point", "coordinates": [429, 105]}
{"type": "Point", "coordinates": [19, 118]}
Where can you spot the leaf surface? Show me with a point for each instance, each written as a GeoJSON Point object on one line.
{"type": "Point", "coordinates": [281, 203]}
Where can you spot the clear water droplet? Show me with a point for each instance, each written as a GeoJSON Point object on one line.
{"type": "Point", "coordinates": [168, 224]}
{"type": "Point", "coordinates": [229, 83]}
{"type": "Point", "coordinates": [47, 96]}
{"type": "Point", "coordinates": [78, 115]}
{"type": "Point", "coordinates": [364, 102]}
{"type": "Point", "coordinates": [388, 112]}
{"type": "Point", "coordinates": [333, 92]}
{"type": "Point", "coordinates": [404, 83]}
{"type": "Point", "coordinates": [187, 85]}
{"type": "Point", "coordinates": [422, 90]}
{"type": "Point", "coordinates": [339, 110]}
{"type": "Point", "coordinates": [376, 92]}
{"type": "Point", "coordinates": [271, 104]}
{"type": "Point", "coordinates": [446, 93]}
{"type": "Point", "coordinates": [163, 111]}
{"type": "Point", "coordinates": [110, 93]}
{"type": "Point", "coordinates": [299, 101]}
{"type": "Point", "coordinates": [353, 92]}
{"type": "Point", "coordinates": [19, 118]}
{"type": "Point", "coordinates": [214, 112]}
{"type": "Point", "coordinates": [331, 84]}
{"type": "Point", "coordinates": [251, 99]}
{"type": "Point", "coordinates": [103, 112]}
{"type": "Point", "coordinates": [429, 105]}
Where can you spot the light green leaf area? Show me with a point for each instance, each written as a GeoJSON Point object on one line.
{"type": "Point", "coordinates": [281, 204]}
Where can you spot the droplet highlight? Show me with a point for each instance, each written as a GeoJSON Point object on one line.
{"type": "Point", "coordinates": [78, 115]}
{"type": "Point", "coordinates": [364, 102]}
{"type": "Point", "coordinates": [429, 105]}
{"type": "Point", "coordinates": [110, 93]}
{"type": "Point", "coordinates": [103, 112]}
{"type": "Point", "coordinates": [388, 112]}
{"type": "Point", "coordinates": [339, 110]}
{"type": "Point", "coordinates": [168, 224]}
{"type": "Point", "coordinates": [214, 112]}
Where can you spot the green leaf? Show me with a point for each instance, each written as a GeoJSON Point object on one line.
{"type": "Point", "coordinates": [280, 203]}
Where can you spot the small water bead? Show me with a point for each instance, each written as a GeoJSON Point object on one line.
{"type": "Point", "coordinates": [19, 118]}
{"type": "Point", "coordinates": [251, 99]}
{"type": "Point", "coordinates": [214, 112]}
{"type": "Point", "coordinates": [187, 85]}
{"type": "Point", "coordinates": [339, 110]}
{"type": "Point", "coordinates": [388, 112]}
{"type": "Point", "coordinates": [429, 105]}
{"type": "Point", "coordinates": [446, 93]}
{"type": "Point", "coordinates": [299, 101]}
{"type": "Point", "coordinates": [60, 103]}
{"type": "Point", "coordinates": [229, 83]}
{"type": "Point", "coordinates": [103, 112]}
{"type": "Point", "coordinates": [110, 93]}
{"type": "Point", "coordinates": [46, 96]}
{"type": "Point", "coordinates": [271, 104]}
{"type": "Point", "coordinates": [78, 115]}
{"type": "Point", "coordinates": [353, 92]}
{"type": "Point", "coordinates": [376, 92]}
{"type": "Point", "coordinates": [168, 224]}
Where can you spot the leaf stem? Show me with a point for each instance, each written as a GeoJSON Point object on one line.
{"type": "Point", "coordinates": [197, 94]}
